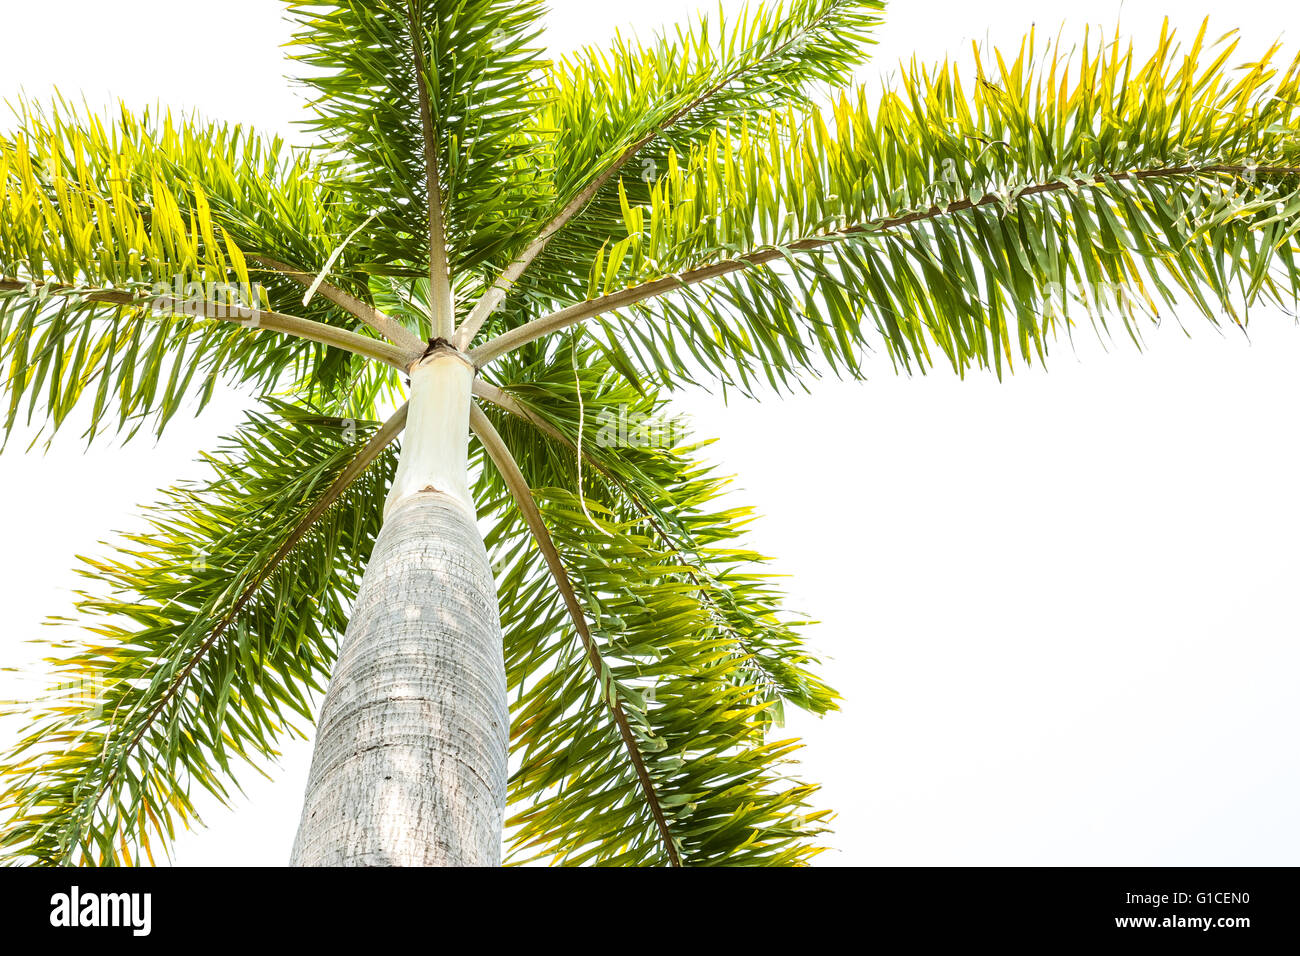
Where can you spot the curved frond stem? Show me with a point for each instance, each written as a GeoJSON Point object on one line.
{"type": "Point", "coordinates": [490, 300]}
{"type": "Point", "coordinates": [494, 296]}
{"type": "Point", "coordinates": [440, 306]}
{"type": "Point", "coordinates": [380, 440]}
{"type": "Point", "coordinates": [581, 311]}
{"type": "Point", "coordinates": [511, 406]}
{"type": "Point", "coordinates": [523, 496]}
{"type": "Point", "coordinates": [389, 328]}
{"type": "Point", "coordinates": [293, 325]}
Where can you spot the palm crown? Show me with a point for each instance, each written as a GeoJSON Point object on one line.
{"type": "Point", "coordinates": [591, 232]}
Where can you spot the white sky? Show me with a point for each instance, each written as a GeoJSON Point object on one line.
{"type": "Point", "coordinates": [1061, 609]}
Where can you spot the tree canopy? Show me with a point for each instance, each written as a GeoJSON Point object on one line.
{"type": "Point", "coordinates": [721, 204]}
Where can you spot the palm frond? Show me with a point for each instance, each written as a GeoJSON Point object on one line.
{"type": "Point", "coordinates": [573, 417]}
{"type": "Point", "coordinates": [478, 60]}
{"type": "Point", "coordinates": [678, 630]}
{"type": "Point", "coordinates": [603, 110]}
{"type": "Point", "coordinates": [976, 224]}
{"type": "Point", "coordinates": [206, 637]}
{"type": "Point", "coordinates": [682, 85]}
{"type": "Point", "coordinates": [99, 219]}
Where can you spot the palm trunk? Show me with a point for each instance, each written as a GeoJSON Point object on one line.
{"type": "Point", "coordinates": [410, 760]}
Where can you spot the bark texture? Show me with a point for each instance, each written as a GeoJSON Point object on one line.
{"type": "Point", "coordinates": [409, 767]}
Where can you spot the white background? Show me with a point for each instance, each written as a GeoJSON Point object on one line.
{"type": "Point", "coordinates": [1061, 609]}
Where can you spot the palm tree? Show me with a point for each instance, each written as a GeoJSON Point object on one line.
{"type": "Point", "coordinates": [558, 614]}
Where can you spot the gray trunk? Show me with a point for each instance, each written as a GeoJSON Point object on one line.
{"type": "Point", "coordinates": [410, 761]}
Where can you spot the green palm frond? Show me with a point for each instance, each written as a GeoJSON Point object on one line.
{"type": "Point", "coordinates": [479, 59]}
{"type": "Point", "coordinates": [628, 462]}
{"type": "Point", "coordinates": [703, 732]}
{"type": "Point", "coordinates": [626, 108]}
{"type": "Point", "coordinates": [689, 646]}
{"type": "Point", "coordinates": [679, 86]}
{"type": "Point", "coordinates": [972, 218]}
{"type": "Point", "coordinates": [95, 214]}
{"type": "Point", "coordinates": [206, 637]}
